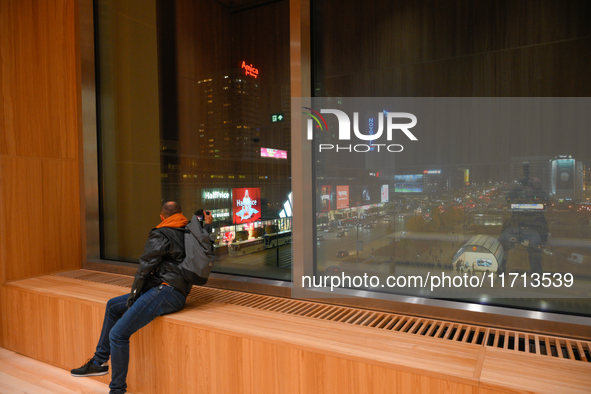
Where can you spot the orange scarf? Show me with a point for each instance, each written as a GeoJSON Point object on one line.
{"type": "Point", "coordinates": [177, 220]}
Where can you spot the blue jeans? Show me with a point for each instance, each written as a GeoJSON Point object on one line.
{"type": "Point", "coordinates": [120, 323]}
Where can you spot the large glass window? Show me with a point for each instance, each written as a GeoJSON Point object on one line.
{"type": "Point", "coordinates": [494, 191]}
{"type": "Point", "coordinates": [195, 107]}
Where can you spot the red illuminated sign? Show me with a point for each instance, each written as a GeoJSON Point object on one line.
{"type": "Point", "coordinates": [250, 70]}
{"type": "Point", "coordinates": [342, 197]}
{"type": "Point", "coordinates": [246, 205]}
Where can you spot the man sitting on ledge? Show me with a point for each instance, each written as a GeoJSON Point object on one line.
{"type": "Point", "coordinates": [158, 289]}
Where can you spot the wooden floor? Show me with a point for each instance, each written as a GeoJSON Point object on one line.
{"type": "Point", "coordinates": [20, 375]}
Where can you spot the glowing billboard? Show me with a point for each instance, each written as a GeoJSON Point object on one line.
{"type": "Point", "coordinates": [408, 183]}
{"type": "Point", "coordinates": [342, 197]}
{"type": "Point", "coordinates": [246, 205]}
{"type": "Point", "coordinates": [273, 153]}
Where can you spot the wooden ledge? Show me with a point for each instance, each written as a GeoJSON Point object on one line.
{"type": "Point", "coordinates": [468, 365]}
{"type": "Point", "coordinates": [427, 356]}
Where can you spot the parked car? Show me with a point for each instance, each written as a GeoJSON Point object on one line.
{"type": "Point", "coordinates": [342, 253]}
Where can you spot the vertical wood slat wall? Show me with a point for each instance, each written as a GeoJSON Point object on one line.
{"type": "Point", "coordinates": [40, 213]}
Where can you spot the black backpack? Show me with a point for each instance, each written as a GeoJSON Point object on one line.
{"type": "Point", "coordinates": [200, 253]}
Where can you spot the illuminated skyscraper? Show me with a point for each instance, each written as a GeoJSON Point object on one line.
{"type": "Point", "coordinates": [228, 115]}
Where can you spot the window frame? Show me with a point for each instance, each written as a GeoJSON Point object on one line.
{"type": "Point", "coordinates": [303, 201]}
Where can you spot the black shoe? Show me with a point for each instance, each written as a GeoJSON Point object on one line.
{"type": "Point", "coordinates": [90, 369]}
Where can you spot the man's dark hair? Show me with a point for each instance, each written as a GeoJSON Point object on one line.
{"type": "Point", "coordinates": [170, 208]}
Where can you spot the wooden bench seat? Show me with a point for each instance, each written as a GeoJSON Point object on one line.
{"type": "Point", "coordinates": [215, 347]}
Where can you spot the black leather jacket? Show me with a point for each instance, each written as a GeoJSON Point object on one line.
{"type": "Point", "coordinates": [164, 251]}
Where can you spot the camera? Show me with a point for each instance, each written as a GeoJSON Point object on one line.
{"type": "Point", "coordinates": [201, 214]}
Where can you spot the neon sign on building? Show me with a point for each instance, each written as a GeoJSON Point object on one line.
{"type": "Point", "coordinates": [250, 70]}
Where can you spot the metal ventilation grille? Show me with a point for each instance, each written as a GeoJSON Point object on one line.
{"type": "Point", "coordinates": [539, 344]}
{"type": "Point", "coordinates": [515, 341]}
{"type": "Point", "coordinates": [466, 333]}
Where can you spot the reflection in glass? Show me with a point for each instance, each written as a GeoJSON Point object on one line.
{"type": "Point", "coordinates": [230, 149]}
{"type": "Point", "coordinates": [452, 214]}
{"type": "Point", "coordinates": [525, 186]}
{"type": "Point", "coordinates": [216, 134]}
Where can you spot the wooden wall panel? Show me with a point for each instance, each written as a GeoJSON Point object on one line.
{"type": "Point", "coordinates": [59, 331]}
{"type": "Point", "coordinates": [39, 74]}
{"type": "Point", "coordinates": [39, 138]}
{"type": "Point", "coordinates": [60, 220]}
{"type": "Point", "coordinates": [41, 215]}
{"type": "Point", "coordinates": [234, 364]}
{"type": "Point", "coordinates": [505, 370]}
{"type": "Point", "coordinates": [22, 194]}
{"type": "Point", "coordinates": [56, 331]}
{"type": "Point", "coordinates": [196, 351]}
